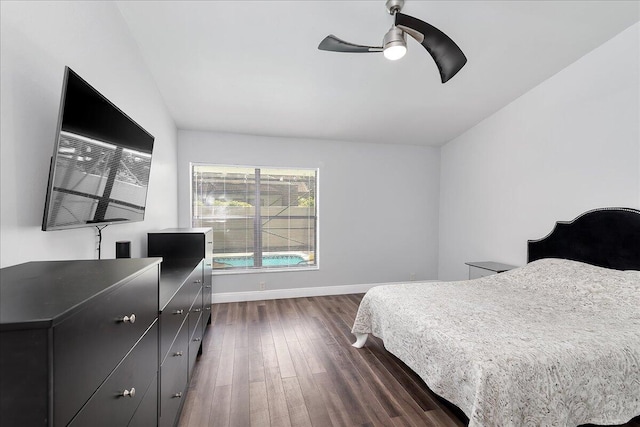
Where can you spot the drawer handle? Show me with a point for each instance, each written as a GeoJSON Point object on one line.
{"type": "Point", "coordinates": [129, 319]}
{"type": "Point", "coordinates": [178, 394]}
{"type": "Point", "coordinates": [179, 311]}
{"type": "Point", "coordinates": [197, 339]}
{"type": "Point", "coordinates": [197, 281]}
{"type": "Point", "coordinates": [207, 286]}
{"type": "Point", "coordinates": [207, 308]}
{"type": "Point", "coordinates": [197, 310]}
{"type": "Point", "coordinates": [130, 393]}
{"type": "Point", "coordinates": [211, 243]}
{"type": "Point", "coordinates": [177, 354]}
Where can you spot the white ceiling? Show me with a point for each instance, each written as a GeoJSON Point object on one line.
{"type": "Point", "coordinates": [253, 67]}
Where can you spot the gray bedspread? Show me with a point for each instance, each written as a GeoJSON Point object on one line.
{"type": "Point", "coordinates": [553, 343]}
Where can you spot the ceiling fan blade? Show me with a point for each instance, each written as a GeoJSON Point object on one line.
{"type": "Point", "coordinates": [334, 44]}
{"type": "Point", "coordinates": [444, 51]}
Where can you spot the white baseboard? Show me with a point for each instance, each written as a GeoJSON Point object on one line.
{"type": "Point", "coordinates": [293, 293]}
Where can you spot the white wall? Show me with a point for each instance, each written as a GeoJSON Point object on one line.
{"type": "Point", "coordinates": [382, 232]}
{"type": "Point", "coordinates": [569, 145]}
{"type": "Point", "coordinates": [37, 40]}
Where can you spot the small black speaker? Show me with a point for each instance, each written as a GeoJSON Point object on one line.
{"type": "Point", "coordinates": [123, 249]}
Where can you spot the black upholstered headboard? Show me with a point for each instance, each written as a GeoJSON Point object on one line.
{"type": "Point", "coordinates": [607, 237]}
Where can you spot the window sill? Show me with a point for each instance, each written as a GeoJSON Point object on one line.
{"type": "Point", "coordinates": [263, 270]}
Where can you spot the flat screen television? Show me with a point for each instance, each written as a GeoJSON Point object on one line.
{"type": "Point", "coordinates": [99, 172]}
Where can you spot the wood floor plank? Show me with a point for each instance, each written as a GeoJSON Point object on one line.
{"type": "Point", "coordinates": [365, 395]}
{"type": "Point", "coordinates": [298, 413]}
{"type": "Point", "coordinates": [256, 360]}
{"type": "Point", "coordinates": [256, 365]}
{"type": "Point", "coordinates": [225, 368]}
{"type": "Point", "coordinates": [278, 326]}
{"type": "Point", "coordinates": [401, 421]}
{"type": "Point", "coordinates": [441, 419]}
{"type": "Point", "coordinates": [379, 389]}
{"type": "Point", "coordinates": [216, 331]}
{"type": "Point", "coordinates": [289, 319]}
{"type": "Point", "coordinates": [266, 338]}
{"type": "Point", "coordinates": [312, 397]}
{"type": "Point", "coordinates": [221, 406]}
{"type": "Point", "coordinates": [253, 325]}
{"type": "Point", "coordinates": [259, 405]}
{"type": "Point", "coordinates": [314, 363]}
{"type": "Point", "coordinates": [284, 361]}
{"type": "Point", "coordinates": [242, 326]}
{"type": "Point", "coordinates": [304, 309]}
{"type": "Point", "coordinates": [278, 411]}
{"type": "Point", "coordinates": [354, 410]}
{"type": "Point", "coordinates": [332, 402]}
{"type": "Point", "coordinates": [269, 356]}
{"type": "Point", "coordinates": [239, 416]}
{"type": "Point", "coordinates": [317, 321]}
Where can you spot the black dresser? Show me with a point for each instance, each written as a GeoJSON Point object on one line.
{"type": "Point", "coordinates": [79, 343]}
{"type": "Point", "coordinates": [185, 309]}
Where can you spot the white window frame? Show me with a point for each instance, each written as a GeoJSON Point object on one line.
{"type": "Point", "coordinates": [253, 270]}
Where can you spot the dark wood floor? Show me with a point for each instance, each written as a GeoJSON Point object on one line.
{"type": "Point", "coordinates": [289, 362]}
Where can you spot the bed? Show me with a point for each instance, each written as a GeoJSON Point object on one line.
{"type": "Point", "coordinates": [553, 343]}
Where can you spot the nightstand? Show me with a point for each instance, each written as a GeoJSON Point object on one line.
{"type": "Point", "coordinates": [481, 269]}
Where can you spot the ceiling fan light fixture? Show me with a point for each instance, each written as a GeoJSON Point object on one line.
{"type": "Point", "coordinates": [394, 44]}
{"type": "Point", "coordinates": [445, 52]}
{"type": "Point", "coordinates": [393, 53]}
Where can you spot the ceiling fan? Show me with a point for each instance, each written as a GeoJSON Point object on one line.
{"type": "Point", "coordinates": [447, 55]}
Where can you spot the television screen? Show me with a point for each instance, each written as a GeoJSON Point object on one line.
{"type": "Point", "coordinates": [99, 171]}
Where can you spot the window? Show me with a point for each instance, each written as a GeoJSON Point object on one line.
{"type": "Point", "coordinates": [262, 218]}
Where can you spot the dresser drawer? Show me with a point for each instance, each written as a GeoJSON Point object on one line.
{"type": "Point", "coordinates": [147, 413]}
{"type": "Point", "coordinates": [206, 315]}
{"type": "Point", "coordinates": [194, 282]}
{"type": "Point", "coordinates": [88, 345]}
{"type": "Point", "coordinates": [172, 318]}
{"type": "Point", "coordinates": [173, 378]}
{"type": "Point", "coordinates": [195, 340]}
{"type": "Point", "coordinates": [109, 407]}
{"type": "Point", "coordinates": [194, 313]}
{"type": "Point", "coordinates": [206, 287]}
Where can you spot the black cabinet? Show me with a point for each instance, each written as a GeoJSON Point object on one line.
{"type": "Point", "coordinates": [185, 309]}
{"type": "Point", "coordinates": [185, 243]}
{"type": "Point", "coordinates": [78, 342]}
